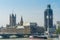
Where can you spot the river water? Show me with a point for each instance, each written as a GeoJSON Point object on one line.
{"type": "Point", "coordinates": [31, 39]}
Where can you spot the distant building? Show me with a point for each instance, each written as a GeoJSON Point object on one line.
{"type": "Point", "coordinates": [12, 20]}
{"type": "Point", "coordinates": [21, 22]}
{"type": "Point", "coordinates": [58, 25]}
{"type": "Point", "coordinates": [40, 30]}
{"type": "Point", "coordinates": [17, 30]}
{"type": "Point", "coordinates": [33, 27]}
{"type": "Point", "coordinates": [27, 29]}
{"type": "Point", "coordinates": [48, 17]}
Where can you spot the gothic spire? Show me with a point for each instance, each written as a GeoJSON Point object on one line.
{"type": "Point", "coordinates": [21, 22]}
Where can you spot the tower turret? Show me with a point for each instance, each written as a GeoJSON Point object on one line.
{"type": "Point", "coordinates": [21, 22]}
{"type": "Point", "coordinates": [12, 20]}
{"type": "Point", "coordinates": [48, 17]}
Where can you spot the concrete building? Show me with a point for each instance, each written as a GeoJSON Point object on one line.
{"type": "Point", "coordinates": [58, 25]}
{"type": "Point", "coordinates": [40, 30]}
{"type": "Point", "coordinates": [17, 30]}
{"type": "Point", "coordinates": [33, 27]}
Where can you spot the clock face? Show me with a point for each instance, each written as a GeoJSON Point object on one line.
{"type": "Point", "coordinates": [47, 17]}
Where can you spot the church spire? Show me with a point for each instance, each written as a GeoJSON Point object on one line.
{"type": "Point", "coordinates": [21, 22]}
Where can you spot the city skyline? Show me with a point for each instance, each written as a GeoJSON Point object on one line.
{"type": "Point", "coordinates": [31, 10]}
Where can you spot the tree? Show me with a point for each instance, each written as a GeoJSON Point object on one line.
{"type": "Point", "coordinates": [58, 31]}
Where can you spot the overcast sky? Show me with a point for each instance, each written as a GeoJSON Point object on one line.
{"type": "Point", "coordinates": [31, 10]}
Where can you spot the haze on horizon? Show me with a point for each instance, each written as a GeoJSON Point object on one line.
{"type": "Point", "coordinates": [31, 10]}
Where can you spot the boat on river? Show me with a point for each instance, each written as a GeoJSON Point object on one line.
{"type": "Point", "coordinates": [38, 36]}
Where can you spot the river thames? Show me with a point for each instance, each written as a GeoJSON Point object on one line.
{"type": "Point", "coordinates": [30, 39]}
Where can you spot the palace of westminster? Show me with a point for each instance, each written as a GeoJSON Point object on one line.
{"type": "Point", "coordinates": [32, 27]}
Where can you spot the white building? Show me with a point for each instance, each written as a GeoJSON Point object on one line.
{"type": "Point", "coordinates": [58, 25]}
